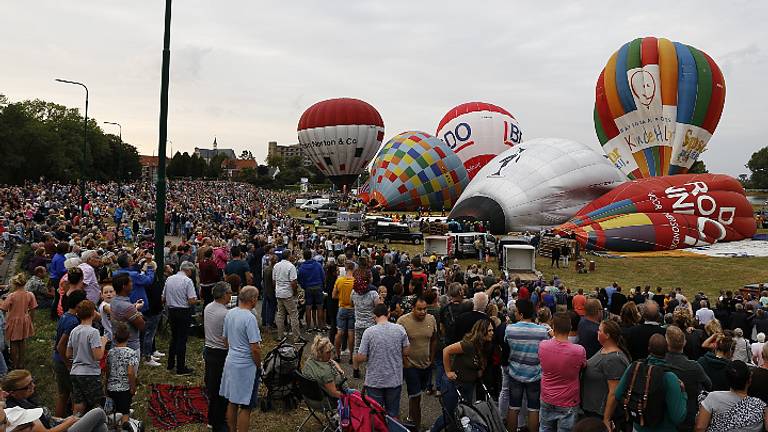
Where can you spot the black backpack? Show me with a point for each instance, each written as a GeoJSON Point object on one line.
{"type": "Point", "coordinates": [643, 400]}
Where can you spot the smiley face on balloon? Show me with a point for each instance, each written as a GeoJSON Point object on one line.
{"type": "Point", "coordinates": [643, 87]}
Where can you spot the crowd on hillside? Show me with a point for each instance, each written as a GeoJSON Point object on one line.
{"type": "Point", "coordinates": [554, 357]}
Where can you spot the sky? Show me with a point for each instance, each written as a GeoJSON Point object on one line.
{"type": "Point", "coordinates": [244, 71]}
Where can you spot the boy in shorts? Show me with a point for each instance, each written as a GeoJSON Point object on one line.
{"type": "Point", "coordinates": [122, 363]}
{"type": "Point", "coordinates": [85, 348]}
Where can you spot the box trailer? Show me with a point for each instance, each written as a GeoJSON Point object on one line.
{"type": "Point", "coordinates": [441, 246]}
{"type": "Point", "coordinates": [519, 261]}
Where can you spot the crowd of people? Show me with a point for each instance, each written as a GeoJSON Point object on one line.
{"type": "Point", "coordinates": [554, 357]}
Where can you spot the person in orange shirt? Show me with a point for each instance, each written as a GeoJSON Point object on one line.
{"type": "Point", "coordinates": [579, 300]}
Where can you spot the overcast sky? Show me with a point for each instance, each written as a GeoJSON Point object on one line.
{"type": "Point", "coordinates": [244, 71]}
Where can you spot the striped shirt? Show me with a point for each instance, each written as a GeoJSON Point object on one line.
{"type": "Point", "coordinates": [523, 339]}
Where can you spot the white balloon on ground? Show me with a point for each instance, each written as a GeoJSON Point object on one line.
{"type": "Point", "coordinates": [536, 185]}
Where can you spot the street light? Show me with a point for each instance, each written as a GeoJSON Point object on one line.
{"type": "Point", "coordinates": [85, 143]}
{"type": "Point", "coordinates": [119, 158]}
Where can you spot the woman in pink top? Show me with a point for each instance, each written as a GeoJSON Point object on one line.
{"type": "Point", "coordinates": [19, 307]}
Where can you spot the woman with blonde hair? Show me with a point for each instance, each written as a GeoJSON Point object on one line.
{"type": "Point", "coordinates": [321, 367]}
{"type": "Point", "coordinates": [19, 308]}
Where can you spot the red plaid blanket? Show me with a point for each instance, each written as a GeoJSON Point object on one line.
{"type": "Point", "coordinates": [172, 406]}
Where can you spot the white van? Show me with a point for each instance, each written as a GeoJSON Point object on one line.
{"type": "Point", "coordinates": [314, 204]}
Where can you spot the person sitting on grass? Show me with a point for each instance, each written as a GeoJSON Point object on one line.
{"type": "Point", "coordinates": [20, 387]}
{"type": "Point", "coordinates": [122, 364]}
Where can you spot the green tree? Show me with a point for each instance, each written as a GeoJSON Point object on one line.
{"type": "Point", "coordinates": [274, 161]}
{"type": "Point", "coordinates": [758, 164]}
{"type": "Point", "coordinates": [698, 167]}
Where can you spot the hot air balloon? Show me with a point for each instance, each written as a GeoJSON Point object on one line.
{"type": "Point", "coordinates": [341, 136]}
{"type": "Point", "coordinates": [538, 184]}
{"type": "Point", "coordinates": [364, 192]}
{"type": "Point", "coordinates": [415, 169]}
{"type": "Point", "coordinates": [661, 213]}
{"type": "Point", "coordinates": [657, 104]}
{"type": "Point", "coordinates": [477, 132]}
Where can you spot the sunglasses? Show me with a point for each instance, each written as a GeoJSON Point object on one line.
{"type": "Point", "coordinates": [27, 387]}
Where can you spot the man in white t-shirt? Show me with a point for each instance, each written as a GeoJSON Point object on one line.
{"type": "Point", "coordinates": [284, 274]}
{"type": "Point", "coordinates": [704, 314]}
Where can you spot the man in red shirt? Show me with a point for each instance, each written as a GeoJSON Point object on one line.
{"type": "Point", "coordinates": [561, 363]}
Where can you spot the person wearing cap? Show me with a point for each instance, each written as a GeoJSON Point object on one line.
{"type": "Point", "coordinates": [180, 297]}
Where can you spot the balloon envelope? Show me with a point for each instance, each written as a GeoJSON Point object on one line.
{"type": "Point", "coordinates": [538, 184]}
{"type": "Point", "coordinates": [477, 132]}
{"type": "Point", "coordinates": [415, 169]}
{"type": "Point", "coordinates": [661, 213]}
{"type": "Point", "coordinates": [341, 136]}
{"type": "Point", "coordinates": [657, 104]}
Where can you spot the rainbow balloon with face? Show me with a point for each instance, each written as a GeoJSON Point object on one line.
{"type": "Point", "coordinates": [663, 213]}
{"type": "Point", "coordinates": [415, 169]}
{"type": "Point", "coordinates": [657, 104]}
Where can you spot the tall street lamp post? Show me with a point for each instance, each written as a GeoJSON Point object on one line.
{"type": "Point", "coordinates": [119, 158]}
{"type": "Point", "coordinates": [162, 139]}
{"type": "Point", "coordinates": [85, 143]}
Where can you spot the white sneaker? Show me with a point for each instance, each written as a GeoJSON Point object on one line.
{"type": "Point", "coordinates": [152, 362]}
{"type": "Point", "coordinates": [345, 352]}
{"type": "Point", "coordinates": [155, 358]}
{"type": "Point", "coordinates": [158, 354]}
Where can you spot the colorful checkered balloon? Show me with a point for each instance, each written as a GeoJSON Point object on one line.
{"type": "Point", "coordinates": [415, 169]}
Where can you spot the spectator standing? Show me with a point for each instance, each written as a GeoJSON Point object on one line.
{"type": "Point", "coordinates": [85, 348]}
{"type": "Point", "coordinates": [716, 363]}
{"type": "Point", "coordinates": [242, 368]}
{"type": "Point", "coordinates": [141, 282]}
{"type": "Point", "coordinates": [19, 307]}
{"type": "Point", "coordinates": [286, 287]}
{"type": "Point", "coordinates": [758, 349]}
{"type": "Point", "coordinates": [386, 348]}
{"type": "Point", "coordinates": [55, 273]}
{"type": "Point", "coordinates": [759, 385]}
{"type": "Point", "coordinates": [364, 299]}
{"type": "Point", "coordinates": [215, 354]}
{"type": "Point", "coordinates": [421, 329]}
{"type": "Point", "coordinates": [704, 314]}
{"type": "Point", "coordinates": [561, 364]}
{"type": "Point", "coordinates": [345, 317]}
{"type": "Point", "coordinates": [618, 299]}
{"type": "Point", "coordinates": [602, 374]}
{"type": "Point", "coordinates": [579, 301]}
{"type": "Point", "coordinates": [209, 275]}
{"type": "Point", "coordinates": [237, 265]}
{"type": "Point", "coordinates": [588, 326]}
{"type": "Point", "coordinates": [733, 409]}
{"type": "Point", "coordinates": [689, 372]}
{"type": "Point", "coordinates": [61, 364]}
{"type": "Point", "coordinates": [180, 297]}
{"type": "Point", "coordinates": [523, 338]}
{"type": "Point", "coordinates": [90, 262]}
{"type": "Point", "coordinates": [311, 278]}
{"type": "Point", "coordinates": [122, 366]}
{"type": "Point", "coordinates": [638, 336]}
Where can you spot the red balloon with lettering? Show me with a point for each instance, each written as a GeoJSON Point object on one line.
{"type": "Point", "coordinates": [660, 213]}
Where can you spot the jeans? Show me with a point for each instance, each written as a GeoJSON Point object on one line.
{"type": "Point", "coordinates": [179, 319]}
{"type": "Point", "coordinates": [150, 329]}
{"type": "Point", "coordinates": [522, 416]}
{"type": "Point", "coordinates": [389, 398]}
{"type": "Point", "coordinates": [217, 405]}
{"type": "Point", "coordinates": [556, 419]}
{"type": "Point", "coordinates": [287, 306]}
{"type": "Point", "coordinates": [450, 394]}
{"type": "Point", "coordinates": [268, 310]}
{"type": "Point", "coordinates": [94, 420]}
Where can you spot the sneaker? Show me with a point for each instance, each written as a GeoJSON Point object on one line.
{"type": "Point", "coordinates": [158, 354]}
{"type": "Point", "coordinates": [345, 352]}
{"type": "Point", "coordinates": [155, 358]}
{"type": "Point", "coordinates": [152, 362]}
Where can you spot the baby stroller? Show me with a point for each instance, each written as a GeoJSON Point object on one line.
{"type": "Point", "coordinates": [482, 416]}
{"type": "Point", "coordinates": [360, 413]}
{"type": "Point", "coordinates": [280, 364]}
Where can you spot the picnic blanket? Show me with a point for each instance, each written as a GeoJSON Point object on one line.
{"type": "Point", "coordinates": [171, 406]}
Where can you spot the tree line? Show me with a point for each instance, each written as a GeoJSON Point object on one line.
{"type": "Point", "coordinates": [45, 139]}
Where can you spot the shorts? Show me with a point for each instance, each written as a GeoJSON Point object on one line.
{"type": "Point", "coordinates": [122, 401]}
{"type": "Point", "coordinates": [313, 296]}
{"type": "Point", "coordinates": [359, 337]}
{"type": "Point", "coordinates": [532, 392]}
{"type": "Point", "coordinates": [416, 380]}
{"type": "Point", "coordinates": [87, 389]}
{"type": "Point", "coordinates": [345, 319]}
{"type": "Point", "coordinates": [63, 380]}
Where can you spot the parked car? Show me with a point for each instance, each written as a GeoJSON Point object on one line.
{"type": "Point", "coordinates": [393, 231]}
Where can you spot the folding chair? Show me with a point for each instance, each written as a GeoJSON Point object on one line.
{"type": "Point", "coordinates": [318, 403]}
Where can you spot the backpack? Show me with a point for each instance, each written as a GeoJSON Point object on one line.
{"type": "Point", "coordinates": [450, 323]}
{"type": "Point", "coordinates": [644, 402]}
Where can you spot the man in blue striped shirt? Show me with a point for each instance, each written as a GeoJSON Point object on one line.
{"type": "Point", "coordinates": [524, 370]}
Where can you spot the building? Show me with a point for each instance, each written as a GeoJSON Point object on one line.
{"type": "Point", "coordinates": [149, 166]}
{"type": "Point", "coordinates": [287, 151]}
{"type": "Point", "coordinates": [209, 154]}
{"type": "Point", "coordinates": [232, 167]}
